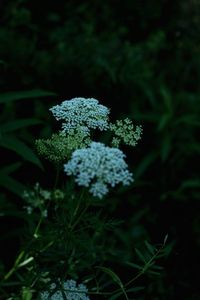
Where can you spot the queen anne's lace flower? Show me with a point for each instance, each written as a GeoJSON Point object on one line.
{"type": "Point", "coordinates": [81, 113]}
{"type": "Point", "coordinates": [98, 166]}
{"type": "Point", "coordinates": [70, 290]}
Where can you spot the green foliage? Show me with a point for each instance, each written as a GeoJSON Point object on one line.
{"type": "Point", "coordinates": [66, 236]}
{"type": "Point", "coordinates": [19, 95]}
{"type": "Point", "coordinates": [10, 137]}
{"type": "Point", "coordinates": [10, 183]}
{"type": "Point", "coordinates": [14, 144]}
{"type": "Point", "coordinates": [143, 58]}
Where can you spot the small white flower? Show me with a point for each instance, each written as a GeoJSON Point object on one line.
{"type": "Point", "coordinates": [81, 113]}
{"type": "Point", "coordinates": [45, 213]}
{"type": "Point", "coordinates": [99, 189]}
{"type": "Point", "coordinates": [45, 194]}
{"type": "Point", "coordinates": [97, 167]}
{"type": "Point", "coordinates": [29, 209]}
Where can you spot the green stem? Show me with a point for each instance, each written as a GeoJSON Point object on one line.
{"type": "Point", "coordinates": [80, 217]}
{"type": "Point", "coordinates": [22, 253]}
{"type": "Point", "coordinates": [71, 224]}
{"type": "Point", "coordinates": [35, 235]}
{"type": "Point", "coordinates": [16, 264]}
{"type": "Point", "coordinates": [145, 267]}
{"type": "Point", "coordinates": [133, 279]}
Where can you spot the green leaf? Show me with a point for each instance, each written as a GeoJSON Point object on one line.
{"type": "Point", "coordinates": [150, 95]}
{"type": "Point", "coordinates": [115, 296]}
{"type": "Point", "coordinates": [187, 120]}
{"type": "Point", "coordinates": [112, 275]}
{"type": "Point", "coordinates": [11, 168]}
{"type": "Point", "coordinates": [10, 283]}
{"type": "Point", "coordinates": [165, 239]}
{"type": "Point", "coordinates": [133, 265]}
{"type": "Point", "coordinates": [166, 250]}
{"type": "Point", "coordinates": [11, 184]}
{"type": "Point", "coordinates": [147, 266]}
{"type": "Point", "coordinates": [165, 147]}
{"type": "Point", "coordinates": [157, 267]}
{"type": "Point", "coordinates": [164, 121]}
{"type": "Point", "coordinates": [14, 144]}
{"type": "Point", "coordinates": [140, 255]}
{"type": "Point", "coordinates": [18, 95]}
{"type": "Point", "coordinates": [25, 262]}
{"type": "Point", "coordinates": [150, 247]}
{"type": "Point", "coordinates": [27, 294]}
{"type": "Point", "coordinates": [153, 272]}
{"type": "Point", "coordinates": [189, 184]}
{"type": "Point", "coordinates": [145, 163]}
{"type": "Point", "coordinates": [136, 289]}
{"type": "Point", "coordinates": [167, 98]}
{"type": "Point", "coordinates": [15, 125]}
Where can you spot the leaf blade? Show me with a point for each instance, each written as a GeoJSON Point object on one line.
{"type": "Point", "coordinates": [12, 143]}
{"type": "Point", "coordinates": [112, 274]}
{"type": "Point", "coordinates": [19, 95]}
{"type": "Point", "coordinates": [18, 124]}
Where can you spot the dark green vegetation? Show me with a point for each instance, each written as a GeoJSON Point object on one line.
{"type": "Point", "coordinates": [136, 57]}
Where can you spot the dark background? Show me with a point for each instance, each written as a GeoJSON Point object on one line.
{"type": "Point", "coordinates": [141, 59]}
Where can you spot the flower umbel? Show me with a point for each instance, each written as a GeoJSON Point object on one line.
{"type": "Point", "coordinates": [125, 132]}
{"type": "Point", "coordinates": [69, 290]}
{"type": "Point", "coordinates": [97, 167]}
{"type": "Point", "coordinates": [60, 146]}
{"type": "Point", "coordinates": [81, 113]}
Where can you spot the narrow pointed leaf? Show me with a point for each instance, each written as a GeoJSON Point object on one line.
{"type": "Point", "coordinates": [136, 289]}
{"type": "Point", "coordinates": [14, 144]}
{"type": "Point", "coordinates": [165, 239]}
{"type": "Point", "coordinates": [134, 265]}
{"type": "Point", "coordinates": [17, 124]}
{"type": "Point", "coordinates": [145, 163]}
{"type": "Point", "coordinates": [11, 168]}
{"type": "Point", "coordinates": [18, 95]}
{"type": "Point", "coordinates": [150, 247]}
{"type": "Point", "coordinates": [11, 184]}
{"type": "Point", "coordinates": [114, 276]}
{"type": "Point", "coordinates": [116, 296]}
{"type": "Point", "coordinates": [153, 272]}
{"type": "Point", "coordinates": [140, 255]}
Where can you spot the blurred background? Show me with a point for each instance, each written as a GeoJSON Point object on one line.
{"type": "Point", "coordinates": [141, 59]}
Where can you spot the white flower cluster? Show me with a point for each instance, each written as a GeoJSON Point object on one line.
{"type": "Point", "coordinates": [98, 166]}
{"type": "Point", "coordinates": [36, 199]}
{"type": "Point", "coordinates": [81, 113]}
{"type": "Point", "coordinates": [70, 291]}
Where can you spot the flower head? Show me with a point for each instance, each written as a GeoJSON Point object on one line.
{"type": "Point", "coordinates": [81, 113]}
{"type": "Point", "coordinates": [69, 289]}
{"type": "Point", "coordinates": [125, 132]}
{"type": "Point", "coordinates": [97, 167]}
{"type": "Point", "coordinates": [60, 146]}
